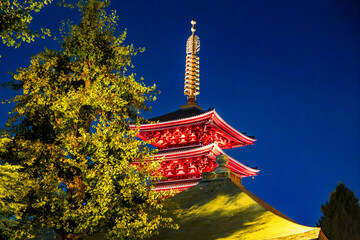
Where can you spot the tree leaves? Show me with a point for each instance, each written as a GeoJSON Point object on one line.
{"type": "Point", "coordinates": [15, 18]}
{"type": "Point", "coordinates": [69, 132]}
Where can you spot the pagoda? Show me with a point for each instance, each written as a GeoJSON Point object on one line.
{"type": "Point", "coordinates": [190, 138]}
{"type": "Point", "coordinates": [190, 143]}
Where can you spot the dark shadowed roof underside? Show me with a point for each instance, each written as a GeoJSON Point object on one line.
{"type": "Point", "coordinates": [180, 114]}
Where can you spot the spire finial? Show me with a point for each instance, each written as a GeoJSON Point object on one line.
{"type": "Point", "coordinates": [193, 29]}
{"type": "Point", "coordinates": [192, 69]}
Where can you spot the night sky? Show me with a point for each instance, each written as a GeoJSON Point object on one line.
{"type": "Point", "coordinates": [286, 72]}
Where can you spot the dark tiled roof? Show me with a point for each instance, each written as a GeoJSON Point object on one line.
{"type": "Point", "coordinates": [180, 114]}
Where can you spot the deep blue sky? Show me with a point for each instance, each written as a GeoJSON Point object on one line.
{"type": "Point", "coordinates": [285, 71]}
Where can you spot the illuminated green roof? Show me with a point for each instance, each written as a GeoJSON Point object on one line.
{"type": "Point", "coordinates": [222, 210]}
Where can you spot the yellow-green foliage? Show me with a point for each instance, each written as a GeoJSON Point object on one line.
{"type": "Point", "coordinates": [15, 18]}
{"type": "Point", "coordinates": [69, 131]}
{"type": "Point", "coordinates": [220, 210]}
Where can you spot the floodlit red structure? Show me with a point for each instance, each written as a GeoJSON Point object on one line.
{"type": "Point", "coordinates": [190, 138]}
{"type": "Point", "coordinates": [192, 127]}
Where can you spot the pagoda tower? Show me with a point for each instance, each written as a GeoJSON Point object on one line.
{"type": "Point", "coordinates": [190, 139]}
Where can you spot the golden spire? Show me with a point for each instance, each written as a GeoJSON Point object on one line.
{"type": "Point", "coordinates": [192, 70]}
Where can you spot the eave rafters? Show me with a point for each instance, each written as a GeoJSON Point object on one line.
{"type": "Point", "coordinates": [212, 121]}
{"type": "Point", "coordinates": [211, 151]}
{"type": "Point", "coordinates": [188, 147]}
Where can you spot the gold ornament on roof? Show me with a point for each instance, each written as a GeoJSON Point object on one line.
{"type": "Point", "coordinates": [192, 69]}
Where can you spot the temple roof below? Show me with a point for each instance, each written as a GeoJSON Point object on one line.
{"type": "Point", "coordinates": [225, 210]}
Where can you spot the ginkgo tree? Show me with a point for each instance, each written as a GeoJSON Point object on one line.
{"type": "Point", "coordinates": [69, 137]}
{"type": "Point", "coordinates": [15, 17]}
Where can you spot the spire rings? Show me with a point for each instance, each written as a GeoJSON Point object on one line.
{"type": "Point", "coordinates": [192, 65]}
